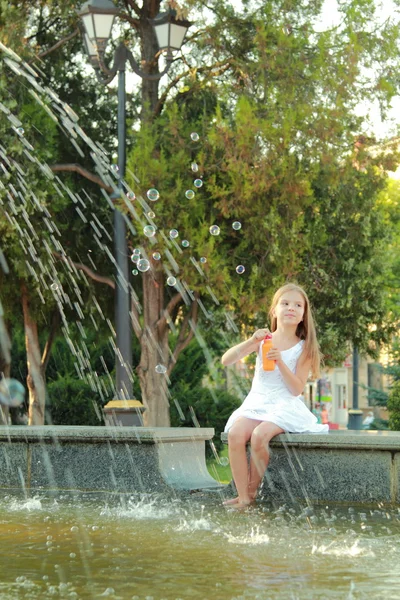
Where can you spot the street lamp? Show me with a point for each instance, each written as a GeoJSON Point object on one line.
{"type": "Point", "coordinates": [98, 17]}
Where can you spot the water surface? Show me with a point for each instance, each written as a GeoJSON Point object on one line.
{"type": "Point", "coordinates": [150, 548]}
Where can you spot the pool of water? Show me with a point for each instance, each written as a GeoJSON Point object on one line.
{"type": "Point", "coordinates": [151, 548]}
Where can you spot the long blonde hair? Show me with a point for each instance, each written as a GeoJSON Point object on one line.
{"type": "Point", "coordinates": [305, 330]}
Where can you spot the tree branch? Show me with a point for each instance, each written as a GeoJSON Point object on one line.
{"type": "Point", "coordinates": [84, 172]}
{"type": "Point", "coordinates": [59, 43]}
{"type": "Point", "coordinates": [162, 321]}
{"type": "Point", "coordinates": [184, 338]}
{"type": "Point", "coordinates": [99, 278]}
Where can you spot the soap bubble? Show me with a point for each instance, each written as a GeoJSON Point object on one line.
{"type": "Point", "coordinates": [189, 194]}
{"type": "Point", "coordinates": [171, 280]}
{"type": "Point", "coordinates": [136, 251]}
{"type": "Point", "coordinates": [240, 269]}
{"type": "Point", "coordinates": [214, 230]}
{"type": "Point", "coordinates": [224, 461]}
{"type": "Point", "coordinates": [153, 194]}
{"type": "Point", "coordinates": [20, 130]}
{"type": "Point", "coordinates": [135, 272]}
{"type": "Point", "coordinates": [173, 233]}
{"type": "Point", "coordinates": [151, 215]}
{"type": "Point", "coordinates": [135, 257]}
{"type": "Point", "coordinates": [161, 369]}
{"type": "Point", "coordinates": [194, 136]}
{"type": "Point", "coordinates": [54, 287]}
{"type": "Point", "coordinates": [131, 195]}
{"type": "Point", "coordinates": [198, 183]}
{"type": "Point", "coordinates": [156, 255]}
{"type": "Point", "coordinates": [143, 265]}
{"type": "Point", "coordinates": [203, 260]}
{"type": "Point", "coordinates": [185, 243]}
{"type": "Point", "coordinates": [236, 225]}
{"type": "Point", "coordinates": [195, 167]}
{"type": "Point", "coordinates": [115, 168]}
{"type": "Point", "coordinates": [149, 231]}
{"type": "Point", "coordinates": [12, 392]}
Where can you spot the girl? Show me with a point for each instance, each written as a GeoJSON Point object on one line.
{"type": "Point", "coordinates": [273, 405]}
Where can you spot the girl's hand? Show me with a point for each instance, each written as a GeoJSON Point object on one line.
{"type": "Point", "coordinates": [259, 335]}
{"type": "Point", "coordinates": [275, 354]}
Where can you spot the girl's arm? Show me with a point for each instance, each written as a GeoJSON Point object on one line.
{"type": "Point", "coordinates": [295, 382]}
{"type": "Point", "coordinates": [241, 350]}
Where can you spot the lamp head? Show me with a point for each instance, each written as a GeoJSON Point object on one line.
{"type": "Point", "coordinates": [170, 31]}
{"type": "Point", "coordinates": [97, 17]}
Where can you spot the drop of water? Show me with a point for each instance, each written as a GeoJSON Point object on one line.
{"type": "Point", "coordinates": [131, 195]}
{"type": "Point", "coordinates": [189, 194]}
{"type": "Point", "coordinates": [185, 243]}
{"type": "Point", "coordinates": [149, 231]}
{"type": "Point", "coordinates": [153, 194]}
{"type": "Point", "coordinates": [156, 255]}
{"type": "Point", "coordinates": [135, 272]}
{"type": "Point", "coordinates": [198, 183]}
{"type": "Point", "coordinates": [171, 280]}
{"type": "Point", "coordinates": [203, 260]}
{"type": "Point", "coordinates": [194, 167]}
{"type": "Point", "coordinates": [151, 215]}
{"type": "Point", "coordinates": [20, 130]}
{"type": "Point", "coordinates": [173, 233]}
{"type": "Point", "coordinates": [194, 137]}
{"type": "Point", "coordinates": [236, 225]}
{"type": "Point", "coordinates": [143, 265]}
{"type": "Point", "coordinates": [214, 230]}
{"type": "Point", "coordinates": [240, 269]}
{"type": "Point", "coordinates": [161, 369]}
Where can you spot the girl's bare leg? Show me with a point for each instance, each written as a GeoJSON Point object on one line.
{"type": "Point", "coordinates": [238, 436]}
{"type": "Point", "coordinates": [259, 460]}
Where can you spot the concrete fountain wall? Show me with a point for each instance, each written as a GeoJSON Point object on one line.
{"type": "Point", "coordinates": [115, 459]}
{"type": "Point", "coordinates": [341, 466]}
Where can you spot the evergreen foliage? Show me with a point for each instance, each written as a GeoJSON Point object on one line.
{"type": "Point", "coordinates": [394, 406]}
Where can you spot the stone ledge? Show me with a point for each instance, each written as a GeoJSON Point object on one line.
{"type": "Point", "coordinates": [78, 433]}
{"type": "Point", "coordinates": [348, 439]}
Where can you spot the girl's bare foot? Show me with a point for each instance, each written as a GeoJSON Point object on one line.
{"type": "Point", "coordinates": [231, 501]}
{"type": "Point", "coordinates": [237, 502]}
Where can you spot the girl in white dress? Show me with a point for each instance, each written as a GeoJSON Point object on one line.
{"type": "Point", "coordinates": [273, 405]}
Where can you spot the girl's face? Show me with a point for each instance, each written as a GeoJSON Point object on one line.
{"type": "Point", "coordinates": [290, 308]}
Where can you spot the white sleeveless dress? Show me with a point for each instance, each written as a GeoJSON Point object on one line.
{"type": "Point", "coordinates": [270, 400]}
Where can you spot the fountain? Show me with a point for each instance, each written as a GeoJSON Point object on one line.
{"type": "Point", "coordinates": [128, 513]}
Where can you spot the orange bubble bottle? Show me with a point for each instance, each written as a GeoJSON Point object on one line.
{"type": "Point", "coordinates": [268, 363]}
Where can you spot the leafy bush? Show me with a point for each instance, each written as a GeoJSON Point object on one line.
{"type": "Point", "coordinates": [394, 407]}
{"type": "Point", "coordinates": [72, 402]}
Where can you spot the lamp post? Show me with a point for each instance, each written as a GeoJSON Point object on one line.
{"type": "Point", "coordinates": [355, 414]}
{"type": "Point", "coordinates": [98, 17]}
